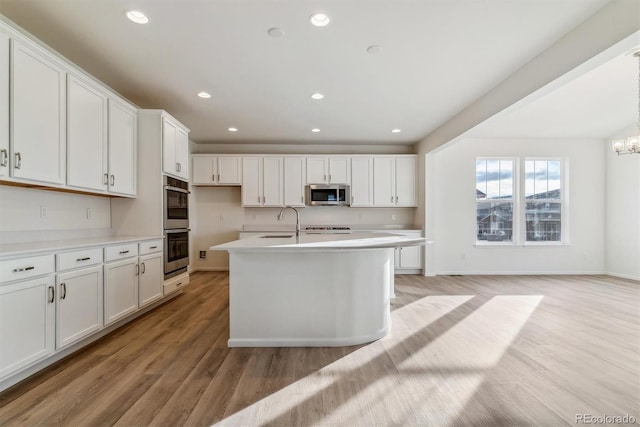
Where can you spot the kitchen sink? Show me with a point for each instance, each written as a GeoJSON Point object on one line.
{"type": "Point", "coordinates": [278, 236]}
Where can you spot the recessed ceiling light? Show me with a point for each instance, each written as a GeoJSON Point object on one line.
{"type": "Point", "coordinates": [137, 16]}
{"type": "Point", "coordinates": [317, 96]}
{"type": "Point", "coordinates": [396, 130]}
{"type": "Point", "coordinates": [275, 32]}
{"type": "Point", "coordinates": [315, 130]}
{"type": "Point", "coordinates": [232, 129]}
{"type": "Point", "coordinates": [373, 49]}
{"type": "Point", "coordinates": [320, 19]}
{"type": "Point", "coordinates": [204, 95]}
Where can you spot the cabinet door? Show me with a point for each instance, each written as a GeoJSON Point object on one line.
{"type": "Point", "coordinates": [79, 305]}
{"type": "Point", "coordinates": [4, 104]}
{"type": "Point", "coordinates": [410, 257]}
{"type": "Point", "coordinates": [406, 181]}
{"type": "Point", "coordinates": [38, 97]}
{"type": "Point", "coordinates": [120, 289]}
{"type": "Point", "coordinates": [294, 172]}
{"type": "Point", "coordinates": [272, 181]}
{"type": "Point", "coordinates": [87, 136]}
{"type": "Point", "coordinates": [384, 181]}
{"type": "Point", "coordinates": [169, 161]}
{"type": "Point", "coordinates": [339, 170]}
{"type": "Point", "coordinates": [251, 181]}
{"type": "Point", "coordinates": [151, 279]}
{"type": "Point", "coordinates": [361, 181]}
{"type": "Point", "coordinates": [205, 170]}
{"type": "Point", "coordinates": [229, 170]}
{"type": "Point", "coordinates": [27, 323]}
{"type": "Point", "coordinates": [182, 153]}
{"type": "Point", "coordinates": [317, 170]}
{"type": "Point", "coordinates": [123, 144]}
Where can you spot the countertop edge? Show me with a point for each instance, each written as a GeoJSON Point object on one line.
{"type": "Point", "coordinates": [31, 248]}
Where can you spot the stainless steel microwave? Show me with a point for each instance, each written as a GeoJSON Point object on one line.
{"type": "Point", "coordinates": [328, 195]}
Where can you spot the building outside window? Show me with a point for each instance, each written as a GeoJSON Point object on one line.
{"type": "Point", "coordinates": [501, 213]}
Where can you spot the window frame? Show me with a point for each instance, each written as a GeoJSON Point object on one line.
{"type": "Point", "coordinates": [519, 225]}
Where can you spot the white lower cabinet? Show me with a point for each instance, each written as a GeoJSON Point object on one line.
{"type": "Point", "coordinates": [79, 305]}
{"type": "Point", "coordinates": [27, 323]}
{"type": "Point", "coordinates": [409, 258]}
{"type": "Point", "coordinates": [151, 279]}
{"type": "Point", "coordinates": [120, 289]}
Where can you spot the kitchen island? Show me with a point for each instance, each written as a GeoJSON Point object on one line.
{"type": "Point", "coordinates": [311, 290]}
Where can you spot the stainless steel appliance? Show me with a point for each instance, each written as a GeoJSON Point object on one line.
{"type": "Point", "coordinates": [176, 203]}
{"type": "Point", "coordinates": [176, 226]}
{"type": "Point", "coordinates": [328, 195]}
{"type": "Point", "coordinates": [176, 252]}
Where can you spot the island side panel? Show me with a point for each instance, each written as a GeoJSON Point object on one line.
{"type": "Point", "coordinates": [309, 298]}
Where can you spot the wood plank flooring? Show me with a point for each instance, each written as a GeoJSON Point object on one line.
{"type": "Point", "coordinates": [472, 350]}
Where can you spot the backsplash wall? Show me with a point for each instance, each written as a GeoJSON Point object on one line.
{"type": "Point", "coordinates": [217, 216]}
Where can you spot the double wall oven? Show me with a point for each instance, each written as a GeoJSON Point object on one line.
{"type": "Point", "coordinates": [176, 226]}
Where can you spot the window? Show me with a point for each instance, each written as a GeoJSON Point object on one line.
{"type": "Point", "coordinates": [514, 209]}
{"type": "Point", "coordinates": [543, 200]}
{"type": "Point", "coordinates": [494, 200]}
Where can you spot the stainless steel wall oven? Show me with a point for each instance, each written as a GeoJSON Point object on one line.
{"type": "Point", "coordinates": [176, 226]}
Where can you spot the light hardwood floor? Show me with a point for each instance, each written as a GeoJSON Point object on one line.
{"type": "Point", "coordinates": [473, 350]}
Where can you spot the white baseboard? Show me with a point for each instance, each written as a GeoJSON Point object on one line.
{"type": "Point", "coordinates": [196, 269]}
{"type": "Point", "coordinates": [519, 273]}
{"type": "Point", "coordinates": [623, 276]}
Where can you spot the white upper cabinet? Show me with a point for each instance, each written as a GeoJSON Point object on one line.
{"type": "Point", "coordinates": [175, 149]}
{"type": "Point", "coordinates": [328, 170]}
{"type": "Point", "coordinates": [362, 181]}
{"type": "Point", "coordinates": [294, 179]}
{"type": "Point", "coordinates": [123, 143]}
{"type": "Point", "coordinates": [87, 136]}
{"type": "Point", "coordinates": [37, 97]}
{"type": "Point", "coordinates": [262, 181]}
{"type": "Point", "coordinates": [4, 104]}
{"type": "Point", "coordinates": [394, 180]}
{"type": "Point", "coordinates": [216, 170]}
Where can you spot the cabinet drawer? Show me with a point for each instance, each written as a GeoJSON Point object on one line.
{"type": "Point", "coordinates": [22, 268]}
{"type": "Point", "coordinates": [80, 258]}
{"type": "Point", "coordinates": [150, 247]}
{"type": "Point", "coordinates": [176, 283]}
{"type": "Point", "coordinates": [112, 253]}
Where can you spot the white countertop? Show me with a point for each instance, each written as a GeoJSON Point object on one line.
{"type": "Point", "coordinates": [354, 227]}
{"type": "Point", "coordinates": [15, 249]}
{"type": "Point", "coordinates": [320, 242]}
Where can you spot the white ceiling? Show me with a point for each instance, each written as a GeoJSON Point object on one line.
{"type": "Point", "coordinates": [437, 57]}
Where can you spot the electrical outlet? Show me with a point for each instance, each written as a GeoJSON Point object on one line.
{"type": "Point", "coordinates": [89, 213]}
{"type": "Point", "coordinates": [203, 254]}
{"type": "Point", "coordinates": [43, 211]}
{"type": "Point", "coordinates": [393, 217]}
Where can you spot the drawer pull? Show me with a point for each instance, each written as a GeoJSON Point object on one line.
{"type": "Point", "coordinates": [87, 258]}
{"type": "Point", "coordinates": [124, 252]}
{"type": "Point", "coordinates": [179, 283]}
{"type": "Point", "coordinates": [153, 247]}
{"type": "Point", "coordinates": [18, 270]}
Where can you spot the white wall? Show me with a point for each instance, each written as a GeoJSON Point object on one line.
{"type": "Point", "coordinates": [623, 211]}
{"type": "Point", "coordinates": [453, 211]}
{"type": "Point", "coordinates": [66, 215]}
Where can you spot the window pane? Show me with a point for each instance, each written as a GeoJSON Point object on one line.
{"type": "Point", "coordinates": [493, 179]}
{"type": "Point", "coordinates": [529, 178]}
{"type": "Point", "coordinates": [540, 185]}
{"type": "Point", "coordinates": [543, 221]}
{"type": "Point", "coordinates": [481, 179]}
{"type": "Point", "coordinates": [506, 179]}
{"type": "Point", "coordinates": [494, 221]}
{"type": "Point", "coordinates": [553, 183]}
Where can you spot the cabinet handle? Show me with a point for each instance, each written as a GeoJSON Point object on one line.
{"type": "Point", "coordinates": [124, 252]}
{"type": "Point", "coordinates": [4, 157]}
{"type": "Point", "coordinates": [63, 286]}
{"type": "Point", "coordinates": [329, 177]}
{"type": "Point", "coordinates": [179, 283]}
{"type": "Point", "coordinates": [302, 199]}
{"type": "Point", "coordinates": [113, 180]}
{"type": "Point", "coordinates": [153, 247]}
{"type": "Point", "coordinates": [325, 177]}
{"type": "Point", "coordinates": [18, 270]}
{"type": "Point", "coordinates": [396, 199]}
{"type": "Point", "coordinates": [352, 199]}
{"type": "Point", "coordinates": [105, 181]}
{"type": "Point", "coordinates": [87, 258]}
{"type": "Point", "coordinates": [177, 167]}
{"type": "Point", "coordinates": [218, 178]}
{"type": "Point", "coordinates": [18, 161]}
{"type": "Point", "coordinates": [391, 199]}
{"type": "Point", "coordinates": [52, 294]}
{"type": "Point", "coordinates": [144, 268]}
{"type": "Point", "coordinates": [213, 177]}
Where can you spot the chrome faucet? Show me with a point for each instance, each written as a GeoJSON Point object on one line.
{"type": "Point", "coordinates": [281, 214]}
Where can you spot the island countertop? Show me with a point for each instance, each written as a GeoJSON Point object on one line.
{"type": "Point", "coordinates": [288, 242]}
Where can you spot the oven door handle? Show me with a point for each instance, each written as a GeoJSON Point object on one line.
{"type": "Point", "coordinates": [177, 230]}
{"type": "Point", "coordinates": [179, 190]}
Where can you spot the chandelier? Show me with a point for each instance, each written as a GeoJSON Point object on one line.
{"type": "Point", "coordinates": [630, 145]}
